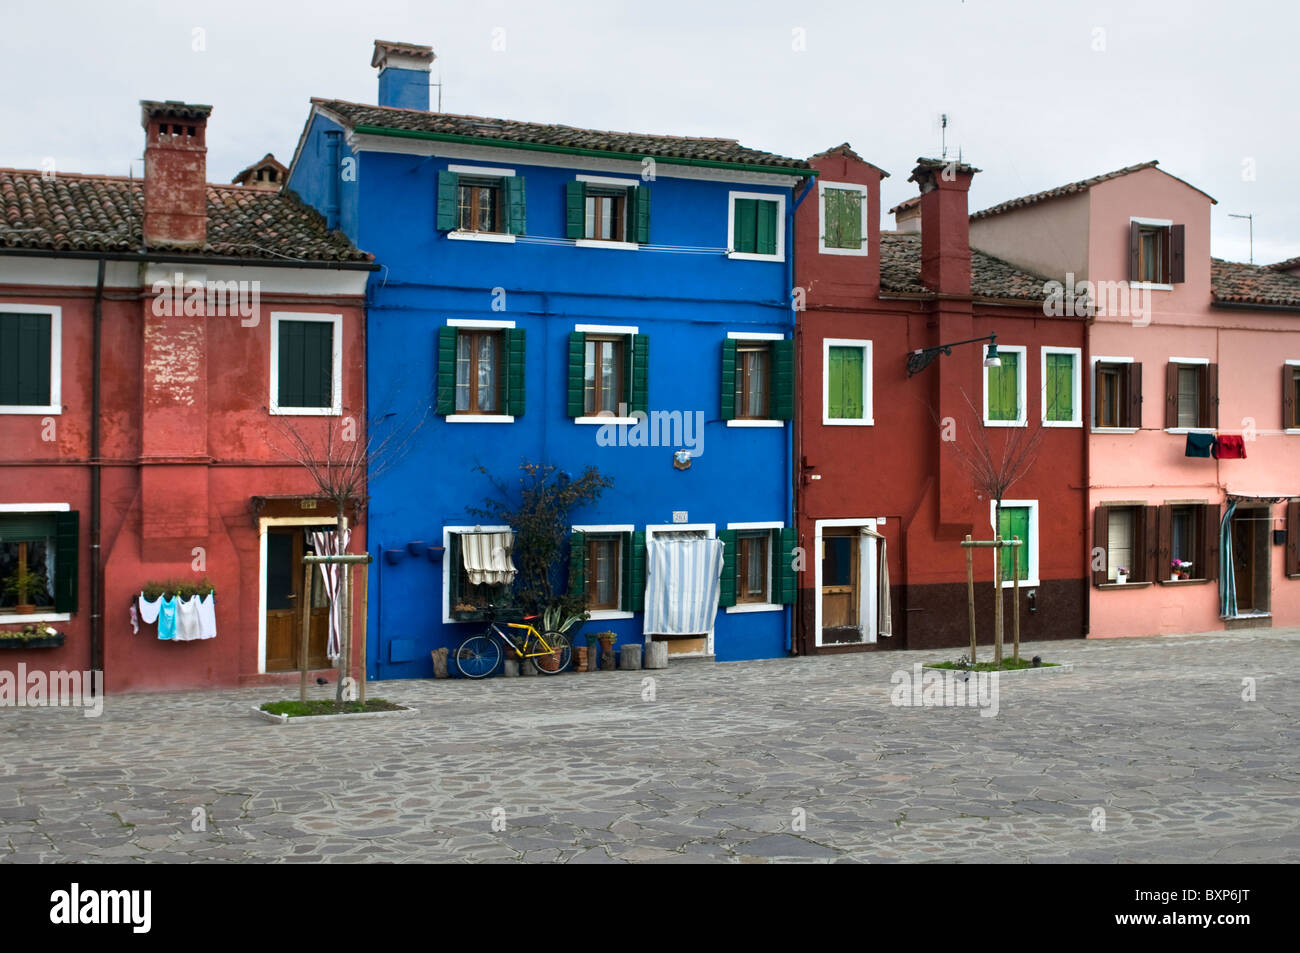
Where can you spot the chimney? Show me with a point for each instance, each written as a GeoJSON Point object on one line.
{"type": "Point", "coordinates": [945, 224]}
{"type": "Point", "coordinates": [907, 216]}
{"type": "Point", "coordinates": [268, 175]}
{"type": "Point", "coordinates": [175, 174]}
{"type": "Point", "coordinates": [403, 74]}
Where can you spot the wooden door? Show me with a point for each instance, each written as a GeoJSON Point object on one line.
{"type": "Point", "coordinates": [841, 586]}
{"type": "Point", "coordinates": [285, 547]}
{"type": "Point", "coordinates": [1243, 558]}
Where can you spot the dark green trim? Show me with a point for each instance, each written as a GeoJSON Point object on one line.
{"type": "Point", "coordinates": [727, 585]}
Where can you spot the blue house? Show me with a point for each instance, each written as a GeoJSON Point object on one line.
{"type": "Point", "coordinates": [569, 297]}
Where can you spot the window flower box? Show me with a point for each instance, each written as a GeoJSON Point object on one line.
{"type": "Point", "coordinates": [32, 637]}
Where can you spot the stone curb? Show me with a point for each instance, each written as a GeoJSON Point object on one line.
{"type": "Point", "coordinates": [308, 719]}
{"type": "Point", "coordinates": [1058, 669]}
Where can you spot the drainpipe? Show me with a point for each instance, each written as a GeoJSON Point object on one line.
{"type": "Point", "coordinates": [332, 187]}
{"type": "Point", "coordinates": [1086, 375]}
{"type": "Point", "coordinates": [791, 466]}
{"type": "Point", "coordinates": [96, 568]}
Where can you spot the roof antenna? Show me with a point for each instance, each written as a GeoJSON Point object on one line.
{"type": "Point", "coordinates": [439, 85]}
{"type": "Point", "coordinates": [1251, 219]}
{"type": "Point", "coordinates": [943, 132]}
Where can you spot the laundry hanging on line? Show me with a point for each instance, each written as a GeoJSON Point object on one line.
{"type": "Point", "coordinates": [1230, 447]}
{"type": "Point", "coordinates": [1199, 444]}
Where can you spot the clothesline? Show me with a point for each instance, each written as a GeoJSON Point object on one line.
{"type": "Point", "coordinates": [179, 620]}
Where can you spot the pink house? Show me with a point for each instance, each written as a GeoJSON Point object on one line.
{"type": "Point", "coordinates": [1191, 386]}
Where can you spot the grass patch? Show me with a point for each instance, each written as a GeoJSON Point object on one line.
{"type": "Point", "coordinates": [327, 706]}
{"type": "Point", "coordinates": [1008, 665]}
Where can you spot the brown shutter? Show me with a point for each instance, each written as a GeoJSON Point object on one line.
{"type": "Point", "coordinates": [1288, 396]}
{"type": "Point", "coordinates": [1212, 396]}
{"type": "Point", "coordinates": [1291, 559]}
{"type": "Point", "coordinates": [1209, 567]}
{"type": "Point", "coordinates": [1134, 407]}
{"type": "Point", "coordinates": [1100, 532]}
{"type": "Point", "coordinates": [1134, 250]}
{"type": "Point", "coordinates": [1177, 264]}
{"type": "Point", "coordinates": [1171, 395]}
{"type": "Point", "coordinates": [1151, 543]}
{"type": "Point", "coordinates": [1165, 540]}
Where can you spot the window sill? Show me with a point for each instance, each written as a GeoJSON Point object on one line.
{"type": "Point", "coordinates": [1062, 423]}
{"type": "Point", "coordinates": [479, 419]}
{"type": "Point", "coordinates": [620, 421]}
{"type": "Point", "coordinates": [601, 243]}
{"type": "Point", "coordinates": [750, 256]}
{"type": "Point", "coordinates": [1005, 423]}
{"type": "Point", "coordinates": [1292, 431]}
{"type": "Point", "coordinates": [755, 607]}
{"type": "Point", "coordinates": [1123, 585]}
{"type": "Point", "coordinates": [1187, 430]}
{"type": "Point", "coordinates": [848, 422]}
{"type": "Point", "coordinates": [464, 236]}
{"type": "Point", "coordinates": [1116, 429]}
{"type": "Point", "coordinates": [305, 412]}
{"type": "Point", "coordinates": [1151, 285]}
{"type": "Point", "coordinates": [1183, 582]}
{"type": "Point", "coordinates": [28, 409]}
{"type": "Point", "coordinates": [1024, 583]}
{"type": "Point", "coordinates": [755, 423]}
{"type": "Point", "coordinates": [854, 252]}
{"type": "Point", "coordinates": [11, 618]}
{"type": "Point", "coordinates": [597, 614]}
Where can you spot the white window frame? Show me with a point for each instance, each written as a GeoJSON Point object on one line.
{"type": "Point", "coordinates": [868, 410]}
{"type": "Point", "coordinates": [605, 181]}
{"type": "Point", "coordinates": [1022, 394]}
{"type": "Point", "coordinates": [7, 618]}
{"type": "Point", "coordinates": [336, 372]}
{"type": "Point", "coordinates": [1031, 545]}
{"type": "Point", "coordinates": [1198, 361]}
{"type": "Point", "coordinates": [769, 606]}
{"type": "Point", "coordinates": [1166, 223]}
{"type": "Point", "coordinates": [1092, 409]}
{"type": "Point", "coordinates": [606, 529]}
{"type": "Point", "coordinates": [1076, 399]}
{"type": "Point", "coordinates": [757, 336]}
{"type": "Point", "coordinates": [1285, 428]}
{"type": "Point", "coordinates": [483, 324]}
{"type": "Point", "coordinates": [731, 226]}
{"type": "Point", "coordinates": [446, 549]}
{"type": "Point", "coordinates": [821, 219]}
{"type": "Point", "coordinates": [628, 331]}
{"type": "Point", "coordinates": [486, 172]}
{"type": "Point", "coordinates": [55, 406]}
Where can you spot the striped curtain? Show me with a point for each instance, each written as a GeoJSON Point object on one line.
{"type": "Point", "coordinates": [487, 557]}
{"type": "Point", "coordinates": [683, 580]}
{"type": "Point", "coordinates": [1227, 575]}
{"type": "Point", "coordinates": [326, 543]}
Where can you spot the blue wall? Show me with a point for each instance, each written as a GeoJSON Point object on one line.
{"type": "Point", "coordinates": [686, 303]}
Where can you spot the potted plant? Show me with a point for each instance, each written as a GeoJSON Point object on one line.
{"type": "Point", "coordinates": [606, 650]}
{"type": "Point", "coordinates": [1185, 570]}
{"type": "Point", "coordinates": [1121, 576]}
{"type": "Point", "coordinates": [24, 584]}
{"type": "Point", "coordinates": [32, 637]}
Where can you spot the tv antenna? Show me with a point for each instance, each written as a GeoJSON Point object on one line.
{"type": "Point", "coordinates": [1251, 220]}
{"type": "Point", "coordinates": [943, 133]}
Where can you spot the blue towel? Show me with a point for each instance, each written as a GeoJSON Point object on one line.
{"type": "Point", "coordinates": [1199, 444]}
{"type": "Point", "coordinates": [167, 618]}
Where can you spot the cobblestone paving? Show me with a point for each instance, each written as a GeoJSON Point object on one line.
{"type": "Point", "coordinates": [716, 768]}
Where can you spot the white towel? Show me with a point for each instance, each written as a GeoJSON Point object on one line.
{"type": "Point", "coordinates": [207, 617]}
{"type": "Point", "coordinates": [187, 619]}
{"type": "Point", "coordinates": [149, 610]}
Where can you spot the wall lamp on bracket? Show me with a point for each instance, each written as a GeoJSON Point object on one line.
{"type": "Point", "coordinates": [922, 357]}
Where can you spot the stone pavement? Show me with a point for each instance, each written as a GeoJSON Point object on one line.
{"type": "Point", "coordinates": [799, 759]}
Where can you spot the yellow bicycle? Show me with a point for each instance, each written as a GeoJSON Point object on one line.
{"type": "Point", "coordinates": [480, 655]}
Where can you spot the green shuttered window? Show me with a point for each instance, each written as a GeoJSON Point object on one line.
{"type": "Point", "coordinates": [757, 380]}
{"type": "Point", "coordinates": [609, 374]}
{"type": "Point", "coordinates": [1059, 371]}
{"type": "Point", "coordinates": [306, 364]}
{"type": "Point", "coordinates": [45, 545]}
{"type": "Point", "coordinates": [481, 371]}
{"type": "Point", "coordinates": [1003, 386]}
{"type": "Point", "coordinates": [754, 226]}
{"type": "Point", "coordinates": [608, 569]}
{"type": "Point", "coordinates": [758, 567]}
{"type": "Point", "coordinates": [607, 213]}
{"type": "Point", "coordinates": [843, 216]}
{"type": "Point", "coordinates": [470, 203]}
{"type": "Point", "coordinates": [25, 341]}
{"type": "Point", "coordinates": [844, 383]}
{"type": "Point", "coordinates": [1014, 522]}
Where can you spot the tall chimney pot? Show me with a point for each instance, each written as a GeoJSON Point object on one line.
{"type": "Point", "coordinates": [175, 173]}
{"type": "Point", "coordinates": [403, 74]}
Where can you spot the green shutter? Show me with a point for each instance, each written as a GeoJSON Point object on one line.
{"type": "Point", "coordinates": [1015, 523]}
{"type": "Point", "coordinates": [1004, 397]}
{"type": "Point", "coordinates": [577, 564]}
{"type": "Point", "coordinates": [782, 403]}
{"type": "Point", "coordinates": [640, 397]}
{"type": "Point", "coordinates": [633, 572]}
{"type": "Point", "coordinates": [515, 355]}
{"type": "Point", "coordinates": [767, 225]}
{"type": "Point", "coordinates": [306, 363]}
{"type": "Point", "coordinates": [25, 359]}
{"type": "Point", "coordinates": [448, 201]}
{"type": "Point", "coordinates": [728, 379]}
{"type": "Point", "coordinates": [515, 204]}
{"type": "Point", "coordinates": [835, 382]}
{"type": "Point", "coordinates": [785, 581]}
{"type": "Point", "coordinates": [844, 383]}
{"type": "Point", "coordinates": [641, 195]}
{"type": "Point", "coordinates": [446, 371]}
{"type": "Point", "coordinates": [744, 229]}
{"type": "Point", "coordinates": [451, 562]}
{"type": "Point", "coordinates": [727, 592]}
{"type": "Point", "coordinates": [1060, 387]}
{"type": "Point", "coordinates": [843, 219]}
{"type": "Point", "coordinates": [575, 209]}
{"type": "Point", "coordinates": [66, 552]}
{"type": "Point", "coordinates": [577, 363]}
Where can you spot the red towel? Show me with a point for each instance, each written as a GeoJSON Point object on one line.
{"type": "Point", "coordinates": [1230, 447]}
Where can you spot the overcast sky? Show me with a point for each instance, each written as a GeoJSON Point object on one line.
{"type": "Point", "coordinates": [1038, 94]}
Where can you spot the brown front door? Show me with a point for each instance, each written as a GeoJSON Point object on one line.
{"type": "Point", "coordinates": [841, 619]}
{"type": "Point", "coordinates": [285, 547]}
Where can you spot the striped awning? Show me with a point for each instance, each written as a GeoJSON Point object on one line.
{"type": "Point", "coordinates": [487, 557]}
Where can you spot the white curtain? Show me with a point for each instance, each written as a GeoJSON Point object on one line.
{"type": "Point", "coordinates": [683, 580]}
{"type": "Point", "coordinates": [885, 619]}
{"type": "Point", "coordinates": [326, 544]}
{"type": "Point", "coordinates": [487, 557]}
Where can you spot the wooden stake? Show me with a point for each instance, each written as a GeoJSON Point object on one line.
{"type": "Point", "coordinates": [305, 606]}
{"type": "Point", "coordinates": [1015, 597]}
{"type": "Point", "coordinates": [365, 578]}
{"type": "Point", "coordinates": [970, 596]}
{"type": "Point", "coordinates": [997, 605]}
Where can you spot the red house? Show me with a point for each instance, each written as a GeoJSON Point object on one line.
{"type": "Point", "coordinates": [159, 342]}
{"type": "Point", "coordinates": [883, 422]}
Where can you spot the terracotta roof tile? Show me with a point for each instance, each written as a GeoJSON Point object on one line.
{"type": "Point", "coordinates": [1232, 282]}
{"type": "Point", "coordinates": [900, 272]}
{"type": "Point", "coordinates": [103, 213]}
{"type": "Point", "coordinates": [632, 144]}
{"type": "Point", "coordinates": [1075, 187]}
{"type": "Point", "coordinates": [1289, 265]}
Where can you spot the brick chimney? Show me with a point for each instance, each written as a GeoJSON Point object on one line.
{"type": "Point", "coordinates": [403, 74]}
{"type": "Point", "coordinates": [175, 173]}
{"type": "Point", "coordinates": [945, 224]}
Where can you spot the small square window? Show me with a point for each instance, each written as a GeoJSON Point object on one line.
{"type": "Point", "coordinates": [843, 219]}
{"type": "Point", "coordinates": [29, 359]}
{"type": "Point", "coordinates": [606, 214]}
{"type": "Point", "coordinates": [755, 226]}
{"type": "Point", "coordinates": [479, 206]}
{"type": "Point", "coordinates": [1191, 399]}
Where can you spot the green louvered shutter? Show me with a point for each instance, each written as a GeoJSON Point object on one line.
{"type": "Point", "coordinates": [446, 371]}
{"type": "Point", "coordinates": [785, 581]}
{"type": "Point", "coordinates": [766, 237]}
{"type": "Point", "coordinates": [577, 563]}
{"type": "Point", "coordinates": [642, 197]}
{"type": "Point", "coordinates": [835, 383]}
{"type": "Point", "coordinates": [846, 383]}
{"type": "Point", "coordinates": [577, 363]}
{"type": "Point", "coordinates": [575, 209]}
{"type": "Point", "coordinates": [1004, 397]}
{"type": "Point", "coordinates": [515, 204]}
{"type": "Point", "coordinates": [451, 562]}
{"type": "Point", "coordinates": [727, 591]}
{"type": "Point", "coordinates": [729, 379]}
{"type": "Point", "coordinates": [640, 396]}
{"type": "Point", "coordinates": [782, 380]}
{"type": "Point", "coordinates": [66, 552]}
{"type": "Point", "coordinates": [633, 572]}
{"type": "Point", "coordinates": [515, 355]}
{"type": "Point", "coordinates": [1060, 387]}
{"type": "Point", "coordinates": [25, 359]}
{"type": "Point", "coordinates": [1015, 523]}
{"type": "Point", "coordinates": [448, 201]}
{"type": "Point", "coordinates": [306, 364]}
{"type": "Point", "coordinates": [744, 228]}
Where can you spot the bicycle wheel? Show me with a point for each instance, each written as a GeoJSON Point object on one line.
{"type": "Point", "coordinates": [558, 660]}
{"type": "Point", "coordinates": [478, 656]}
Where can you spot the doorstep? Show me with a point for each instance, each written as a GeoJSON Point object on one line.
{"type": "Point", "coordinates": [1260, 620]}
